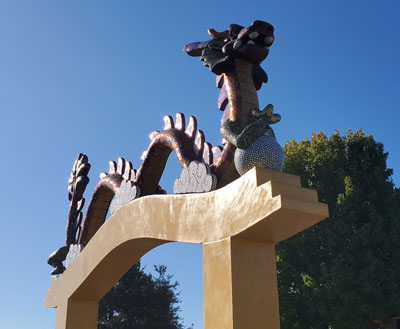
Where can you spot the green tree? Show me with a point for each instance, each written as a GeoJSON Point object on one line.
{"type": "Point", "coordinates": [343, 272]}
{"type": "Point", "coordinates": [141, 301]}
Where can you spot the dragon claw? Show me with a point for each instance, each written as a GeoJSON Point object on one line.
{"type": "Point", "coordinates": [267, 113]}
{"type": "Point", "coordinates": [56, 258]}
{"type": "Point", "coordinates": [269, 109]}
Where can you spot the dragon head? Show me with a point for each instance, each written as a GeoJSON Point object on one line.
{"type": "Point", "coordinates": [247, 43]}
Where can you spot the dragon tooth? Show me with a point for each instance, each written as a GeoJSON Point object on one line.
{"type": "Point", "coordinates": [253, 35]}
{"type": "Point", "coordinates": [144, 156]}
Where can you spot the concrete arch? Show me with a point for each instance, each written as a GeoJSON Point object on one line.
{"type": "Point", "coordinates": [238, 226]}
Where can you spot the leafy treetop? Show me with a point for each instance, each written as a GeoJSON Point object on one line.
{"type": "Point", "coordinates": [343, 272]}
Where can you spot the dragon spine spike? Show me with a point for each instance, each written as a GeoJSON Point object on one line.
{"type": "Point", "coordinates": [112, 167]}
{"type": "Point", "coordinates": [168, 122]}
{"type": "Point", "coordinates": [79, 227]}
{"type": "Point", "coordinates": [180, 121]}
{"type": "Point", "coordinates": [207, 154]}
{"type": "Point", "coordinates": [133, 174]}
{"type": "Point", "coordinates": [223, 98]}
{"type": "Point", "coordinates": [80, 204]}
{"type": "Point", "coordinates": [153, 134]}
{"type": "Point", "coordinates": [79, 221]}
{"type": "Point", "coordinates": [73, 172]}
{"type": "Point", "coordinates": [220, 80]}
{"type": "Point", "coordinates": [83, 169]}
{"type": "Point", "coordinates": [144, 155]}
{"type": "Point", "coordinates": [120, 165]}
{"type": "Point", "coordinates": [198, 146]}
{"type": "Point", "coordinates": [102, 175]}
{"type": "Point", "coordinates": [81, 159]}
{"type": "Point", "coordinates": [216, 151]}
{"type": "Point", "coordinates": [191, 128]}
{"type": "Point", "coordinates": [127, 171]}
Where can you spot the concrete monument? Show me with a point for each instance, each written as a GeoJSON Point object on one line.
{"type": "Point", "coordinates": [238, 220]}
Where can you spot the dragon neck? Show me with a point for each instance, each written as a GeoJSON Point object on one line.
{"type": "Point", "coordinates": [238, 95]}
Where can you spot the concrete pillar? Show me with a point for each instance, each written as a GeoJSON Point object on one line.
{"type": "Point", "coordinates": [240, 287]}
{"type": "Point", "coordinates": [77, 314]}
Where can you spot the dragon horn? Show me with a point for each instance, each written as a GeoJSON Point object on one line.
{"type": "Point", "coordinates": [218, 35]}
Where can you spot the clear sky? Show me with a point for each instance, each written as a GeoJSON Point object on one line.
{"type": "Point", "coordinates": [97, 77]}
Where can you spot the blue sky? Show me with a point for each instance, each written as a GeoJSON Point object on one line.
{"type": "Point", "coordinates": [97, 77]}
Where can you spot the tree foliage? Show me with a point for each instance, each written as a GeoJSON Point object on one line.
{"type": "Point", "coordinates": [141, 301]}
{"type": "Point", "coordinates": [343, 272]}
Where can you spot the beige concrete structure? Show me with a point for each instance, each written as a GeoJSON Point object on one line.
{"type": "Point", "coordinates": [238, 226]}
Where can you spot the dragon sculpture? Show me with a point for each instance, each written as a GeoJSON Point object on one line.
{"type": "Point", "coordinates": [234, 56]}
